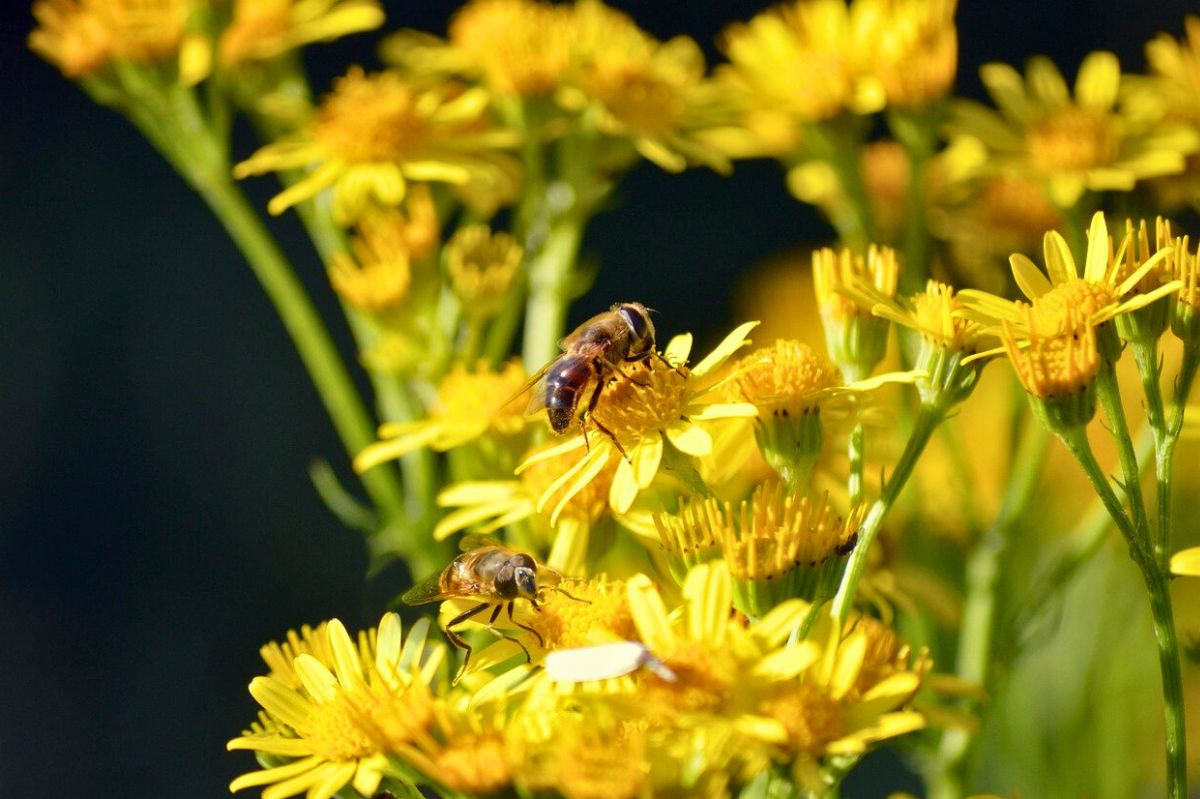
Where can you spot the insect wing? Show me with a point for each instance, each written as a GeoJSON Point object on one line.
{"type": "Point", "coordinates": [473, 541]}
{"type": "Point", "coordinates": [426, 591]}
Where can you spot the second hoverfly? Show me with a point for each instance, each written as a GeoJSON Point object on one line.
{"type": "Point", "coordinates": [494, 575]}
{"type": "Point", "coordinates": [624, 334]}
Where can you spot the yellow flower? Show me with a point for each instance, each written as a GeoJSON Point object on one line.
{"type": "Point", "coordinates": [469, 405]}
{"type": "Point", "coordinates": [482, 265]}
{"type": "Point", "coordinates": [377, 276]}
{"type": "Point", "coordinates": [82, 36]}
{"type": "Point", "coordinates": [638, 415]}
{"type": "Point", "coordinates": [1185, 321]}
{"type": "Point", "coordinates": [1175, 69]}
{"type": "Point", "coordinates": [71, 35]}
{"type": "Point", "coordinates": [855, 339]}
{"type": "Point", "coordinates": [463, 746]}
{"type": "Point", "coordinates": [265, 29]}
{"type": "Point", "coordinates": [653, 93]}
{"type": "Point", "coordinates": [375, 133]}
{"type": "Point", "coordinates": [1057, 359]}
{"type": "Point", "coordinates": [1059, 293]}
{"type": "Point", "coordinates": [810, 58]}
{"type": "Point", "coordinates": [916, 56]}
{"type": "Point", "coordinates": [1071, 143]}
{"type": "Point", "coordinates": [778, 544]}
{"type": "Point", "coordinates": [343, 717]}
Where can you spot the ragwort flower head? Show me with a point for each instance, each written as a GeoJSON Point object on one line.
{"type": "Point", "coordinates": [1065, 300]}
{"type": "Point", "coordinates": [377, 276]}
{"type": "Point", "coordinates": [482, 265]}
{"type": "Point", "coordinates": [463, 747]}
{"type": "Point", "coordinates": [343, 717]}
{"type": "Point", "coordinates": [1068, 142]}
{"type": "Point", "coordinates": [1056, 357]}
{"type": "Point", "coordinates": [652, 405]}
{"type": "Point", "coordinates": [855, 339]}
{"type": "Point", "coordinates": [917, 52]}
{"type": "Point", "coordinates": [469, 404]}
{"type": "Point", "coordinates": [1175, 71]}
{"type": "Point", "coordinates": [264, 29]}
{"type": "Point", "coordinates": [375, 133]}
{"type": "Point", "coordinates": [810, 58]}
{"type": "Point", "coordinates": [71, 36]}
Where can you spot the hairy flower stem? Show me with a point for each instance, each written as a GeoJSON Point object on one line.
{"type": "Point", "coordinates": [1145, 354]}
{"type": "Point", "coordinates": [979, 608]}
{"type": "Point", "coordinates": [1157, 586]}
{"type": "Point", "coordinates": [927, 420]}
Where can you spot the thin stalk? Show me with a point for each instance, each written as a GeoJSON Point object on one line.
{"type": "Point", "coordinates": [854, 449]}
{"type": "Point", "coordinates": [979, 609]}
{"type": "Point", "coordinates": [550, 278]}
{"type": "Point", "coordinates": [1164, 451]}
{"type": "Point", "coordinates": [1108, 393]}
{"type": "Point", "coordinates": [927, 420]}
{"type": "Point", "coordinates": [1160, 609]}
{"type": "Point", "coordinates": [1145, 354]}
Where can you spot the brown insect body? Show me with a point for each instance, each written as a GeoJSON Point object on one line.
{"type": "Point", "coordinates": [590, 355]}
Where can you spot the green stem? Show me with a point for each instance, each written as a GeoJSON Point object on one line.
{"type": "Point", "coordinates": [917, 131]}
{"type": "Point", "coordinates": [550, 277]}
{"type": "Point", "coordinates": [1145, 354]}
{"type": "Point", "coordinates": [979, 609]}
{"type": "Point", "coordinates": [1160, 608]}
{"type": "Point", "coordinates": [855, 452]}
{"type": "Point", "coordinates": [927, 420]}
{"type": "Point", "coordinates": [838, 142]}
{"type": "Point", "coordinates": [1109, 395]}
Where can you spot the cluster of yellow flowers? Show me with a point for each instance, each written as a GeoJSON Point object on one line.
{"type": "Point", "coordinates": [701, 589]}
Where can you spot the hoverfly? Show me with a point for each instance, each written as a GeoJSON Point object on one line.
{"type": "Point", "coordinates": [497, 577]}
{"type": "Point", "coordinates": [590, 355]}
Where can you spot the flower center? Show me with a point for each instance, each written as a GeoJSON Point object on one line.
{"type": "Point", "coordinates": [590, 503]}
{"type": "Point", "coordinates": [782, 379]}
{"type": "Point", "coordinates": [812, 718]}
{"type": "Point", "coordinates": [1076, 299]}
{"type": "Point", "coordinates": [652, 397]}
{"type": "Point", "coordinates": [333, 733]}
{"type": "Point", "coordinates": [1074, 139]}
{"type": "Point", "coordinates": [483, 396]}
{"type": "Point", "coordinates": [599, 607]}
{"type": "Point", "coordinates": [474, 764]}
{"type": "Point", "coordinates": [641, 100]}
{"type": "Point", "coordinates": [371, 118]}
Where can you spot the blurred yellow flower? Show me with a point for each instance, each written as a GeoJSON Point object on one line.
{"type": "Point", "coordinates": [375, 133]}
{"type": "Point", "coordinates": [265, 29]}
{"type": "Point", "coordinates": [71, 35]}
{"type": "Point", "coordinates": [376, 277]}
{"type": "Point", "coordinates": [482, 266]}
{"type": "Point", "coordinates": [463, 746]}
{"type": "Point", "coordinates": [1070, 143]}
{"type": "Point", "coordinates": [638, 415]}
{"type": "Point", "coordinates": [469, 404]}
{"type": "Point", "coordinates": [809, 58]}
{"type": "Point", "coordinates": [1186, 562]}
{"type": "Point", "coordinates": [916, 55]}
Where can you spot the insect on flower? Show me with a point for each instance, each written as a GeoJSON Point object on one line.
{"type": "Point", "coordinates": [590, 356]}
{"type": "Point", "coordinates": [497, 577]}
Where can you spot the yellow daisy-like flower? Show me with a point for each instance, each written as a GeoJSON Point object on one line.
{"type": "Point", "coordinates": [375, 133]}
{"type": "Point", "coordinates": [638, 415]}
{"type": "Point", "coordinates": [463, 746]}
{"type": "Point", "coordinates": [778, 544]}
{"type": "Point", "coordinates": [343, 717]}
{"type": "Point", "coordinates": [377, 276]}
{"type": "Point", "coordinates": [469, 404]}
{"type": "Point", "coordinates": [810, 58]}
{"type": "Point", "coordinates": [1071, 143]}
{"type": "Point", "coordinates": [265, 29]}
{"type": "Point", "coordinates": [1175, 67]}
{"type": "Point", "coordinates": [482, 265]}
{"type": "Point", "coordinates": [917, 52]}
{"type": "Point", "coordinates": [854, 338]}
{"type": "Point", "coordinates": [1093, 298]}
{"type": "Point", "coordinates": [1057, 358]}
{"type": "Point", "coordinates": [82, 36]}
{"type": "Point", "coordinates": [653, 93]}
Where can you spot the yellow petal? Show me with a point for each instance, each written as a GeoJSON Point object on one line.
{"type": "Point", "coordinates": [1030, 279]}
{"type": "Point", "coordinates": [721, 410]}
{"type": "Point", "coordinates": [848, 664]}
{"type": "Point", "coordinates": [317, 680]}
{"type": "Point", "coordinates": [624, 488]}
{"type": "Point", "coordinates": [1186, 562]}
{"type": "Point", "coordinates": [370, 773]}
{"type": "Point", "coordinates": [728, 346]}
{"type": "Point", "coordinates": [346, 664]}
{"type": "Point", "coordinates": [679, 348]}
{"type": "Point", "coordinates": [1060, 265]}
{"type": "Point", "coordinates": [690, 439]}
{"type": "Point", "coordinates": [270, 775]}
{"type": "Point", "coordinates": [1046, 82]}
{"type": "Point", "coordinates": [333, 777]}
{"type": "Point", "coordinates": [280, 701]}
{"type": "Point", "coordinates": [646, 457]}
{"type": "Point", "coordinates": [1097, 251]}
{"type": "Point", "coordinates": [570, 445]}
{"type": "Point", "coordinates": [388, 643]}
{"type": "Point", "coordinates": [774, 628]}
{"type": "Point", "coordinates": [298, 784]}
{"type": "Point", "coordinates": [288, 747]}
{"type": "Point", "coordinates": [1098, 80]}
{"type": "Point", "coordinates": [595, 464]}
{"type": "Point", "coordinates": [786, 663]}
{"type": "Point", "coordinates": [568, 554]}
{"type": "Point", "coordinates": [649, 614]}
{"type": "Point", "coordinates": [708, 594]}
{"type": "Point", "coordinates": [482, 492]}
{"type": "Point", "coordinates": [381, 451]}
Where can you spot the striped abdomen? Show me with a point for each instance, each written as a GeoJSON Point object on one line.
{"type": "Point", "coordinates": [566, 383]}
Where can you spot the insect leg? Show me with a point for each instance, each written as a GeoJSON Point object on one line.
{"type": "Point", "coordinates": [588, 417]}
{"type": "Point", "coordinates": [663, 358]}
{"type": "Point", "coordinates": [457, 640]}
{"type": "Point", "coordinates": [495, 614]}
{"type": "Point", "coordinates": [536, 634]}
{"type": "Point", "coordinates": [629, 377]}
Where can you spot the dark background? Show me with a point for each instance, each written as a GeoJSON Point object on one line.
{"type": "Point", "coordinates": [156, 521]}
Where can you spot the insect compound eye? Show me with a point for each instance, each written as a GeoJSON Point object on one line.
{"type": "Point", "coordinates": [526, 581]}
{"type": "Point", "coordinates": [506, 582]}
{"type": "Point", "coordinates": [639, 324]}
